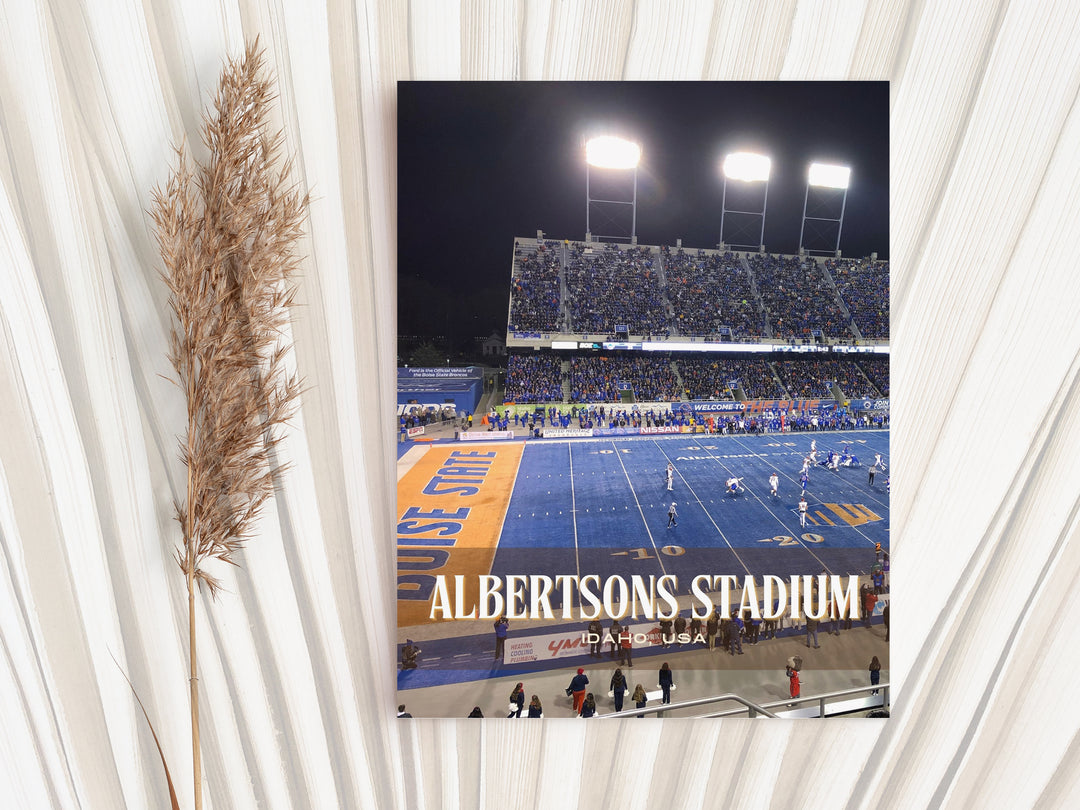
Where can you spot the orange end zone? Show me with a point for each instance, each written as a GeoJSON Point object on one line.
{"type": "Point", "coordinates": [450, 508]}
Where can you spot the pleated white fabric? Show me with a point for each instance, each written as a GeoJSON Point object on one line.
{"type": "Point", "coordinates": [296, 657]}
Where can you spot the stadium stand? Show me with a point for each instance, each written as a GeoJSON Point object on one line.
{"type": "Point", "coordinates": [535, 299]}
{"type": "Point", "coordinates": [797, 297]}
{"type": "Point", "coordinates": [608, 286]}
{"type": "Point", "coordinates": [710, 291]}
{"type": "Point", "coordinates": [533, 378]}
{"type": "Point", "coordinates": [708, 378]}
{"type": "Point", "coordinates": [863, 286]}
{"type": "Point", "coordinates": [597, 379]}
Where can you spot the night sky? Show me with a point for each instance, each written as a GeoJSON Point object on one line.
{"type": "Point", "coordinates": [482, 162]}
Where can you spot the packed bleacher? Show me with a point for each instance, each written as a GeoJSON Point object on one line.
{"type": "Point", "coordinates": [864, 287]}
{"type": "Point", "coordinates": [597, 378]}
{"type": "Point", "coordinates": [708, 291]}
{"type": "Point", "coordinates": [608, 286]}
{"type": "Point", "coordinates": [797, 297]}
{"type": "Point", "coordinates": [533, 378]}
{"type": "Point", "coordinates": [813, 378]}
{"type": "Point", "coordinates": [709, 377]}
{"type": "Point", "coordinates": [535, 300]}
{"type": "Point", "coordinates": [877, 371]}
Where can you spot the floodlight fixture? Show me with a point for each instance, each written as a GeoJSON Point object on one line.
{"type": "Point", "coordinates": [746, 167]}
{"type": "Point", "coordinates": [609, 152]}
{"type": "Point", "coordinates": [829, 176]}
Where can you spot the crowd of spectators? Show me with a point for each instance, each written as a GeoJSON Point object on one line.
{"type": "Point", "coordinates": [597, 378]}
{"type": "Point", "coordinates": [533, 378]}
{"type": "Point", "coordinates": [535, 300]}
{"type": "Point", "coordinates": [708, 378]}
{"type": "Point", "coordinates": [607, 286]}
{"type": "Point", "coordinates": [864, 287]}
{"type": "Point", "coordinates": [876, 370]}
{"type": "Point", "coordinates": [797, 297]}
{"type": "Point", "coordinates": [708, 291]}
{"type": "Point", "coordinates": [813, 378]}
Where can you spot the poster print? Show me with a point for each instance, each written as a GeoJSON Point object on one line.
{"type": "Point", "coordinates": [643, 399]}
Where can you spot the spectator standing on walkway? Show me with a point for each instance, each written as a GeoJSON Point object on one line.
{"type": "Point", "coordinates": [535, 708]}
{"type": "Point", "coordinates": [665, 682]}
{"type": "Point", "coordinates": [615, 631]}
{"type": "Point", "coordinates": [517, 701]}
{"type": "Point", "coordinates": [811, 630]}
{"type": "Point", "coordinates": [502, 627]}
{"type": "Point", "coordinates": [618, 688]}
{"type": "Point", "coordinates": [577, 689]}
{"type": "Point", "coordinates": [875, 673]}
{"type": "Point", "coordinates": [409, 653]}
{"type": "Point", "coordinates": [588, 707]}
{"type": "Point", "coordinates": [626, 653]}
{"type": "Point", "coordinates": [596, 631]}
{"type": "Point", "coordinates": [640, 698]}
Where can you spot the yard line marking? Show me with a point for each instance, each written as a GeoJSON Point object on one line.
{"type": "Point", "coordinates": [794, 533]}
{"type": "Point", "coordinates": [640, 510]}
{"type": "Point", "coordinates": [843, 481]}
{"type": "Point", "coordinates": [573, 509]}
{"type": "Point", "coordinates": [710, 517]}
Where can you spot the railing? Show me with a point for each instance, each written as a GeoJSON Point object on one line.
{"type": "Point", "coordinates": [753, 710]}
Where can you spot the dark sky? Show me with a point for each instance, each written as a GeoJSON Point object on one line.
{"type": "Point", "coordinates": [482, 162]}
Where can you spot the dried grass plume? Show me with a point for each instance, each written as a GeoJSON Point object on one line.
{"type": "Point", "coordinates": [227, 232]}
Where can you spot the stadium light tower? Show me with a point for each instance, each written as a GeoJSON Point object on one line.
{"type": "Point", "coordinates": [826, 175]}
{"type": "Point", "coordinates": [746, 167]}
{"type": "Point", "coordinates": [611, 153]}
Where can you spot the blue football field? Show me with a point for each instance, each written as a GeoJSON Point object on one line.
{"type": "Point", "coordinates": [600, 506]}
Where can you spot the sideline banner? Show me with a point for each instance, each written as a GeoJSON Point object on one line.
{"type": "Point", "coordinates": [484, 435]}
{"type": "Point", "coordinates": [572, 642]}
{"type": "Point", "coordinates": [708, 407]}
{"type": "Point", "coordinates": [565, 433]}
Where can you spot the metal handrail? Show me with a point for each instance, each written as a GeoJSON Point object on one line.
{"type": "Point", "coordinates": [752, 708]}
{"type": "Point", "coordinates": [821, 700]}
{"type": "Point", "coordinates": [749, 709]}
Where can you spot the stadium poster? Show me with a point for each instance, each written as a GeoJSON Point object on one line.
{"type": "Point", "coordinates": [597, 512]}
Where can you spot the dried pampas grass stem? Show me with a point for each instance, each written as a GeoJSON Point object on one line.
{"type": "Point", "coordinates": [227, 232]}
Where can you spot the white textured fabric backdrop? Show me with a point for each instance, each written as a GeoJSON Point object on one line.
{"type": "Point", "coordinates": [296, 658]}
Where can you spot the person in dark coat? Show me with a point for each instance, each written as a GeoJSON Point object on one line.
{"type": "Point", "coordinates": [401, 711]}
{"type": "Point", "coordinates": [409, 654]}
{"type": "Point", "coordinates": [535, 709]}
{"type": "Point", "coordinates": [665, 682]}
{"type": "Point", "coordinates": [588, 708]}
{"type": "Point", "coordinates": [502, 627]}
{"type": "Point", "coordinates": [640, 698]}
{"type": "Point", "coordinates": [476, 712]}
{"type": "Point", "coordinates": [597, 631]}
{"type": "Point", "coordinates": [577, 689]}
{"type": "Point", "coordinates": [679, 628]}
{"type": "Point", "coordinates": [615, 630]}
{"type": "Point", "coordinates": [618, 688]}
{"type": "Point", "coordinates": [665, 632]}
{"type": "Point", "coordinates": [626, 648]}
{"type": "Point", "coordinates": [875, 673]}
{"type": "Point", "coordinates": [712, 627]}
{"type": "Point", "coordinates": [517, 698]}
